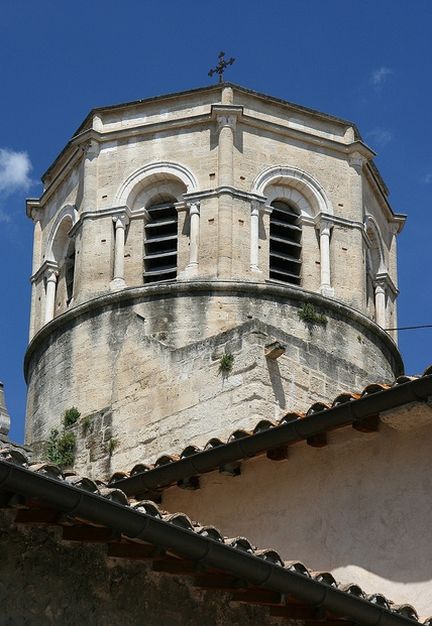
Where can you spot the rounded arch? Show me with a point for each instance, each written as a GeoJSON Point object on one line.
{"type": "Point", "coordinates": [295, 186]}
{"type": "Point", "coordinates": [161, 172]}
{"type": "Point", "coordinates": [375, 251]}
{"type": "Point", "coordinates": [58, 241]}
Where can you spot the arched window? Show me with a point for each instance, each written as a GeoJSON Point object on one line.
{"type": "Point", "coordinates": [160, 245]}
{"type": "Point", "coordinates": [63, 255]}
{"type": "Point", "coordinates": [285, 243]}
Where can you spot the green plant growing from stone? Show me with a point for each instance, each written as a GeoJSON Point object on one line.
{"type": "Point", "coordinates": [226, 364]}
{"type": "Point", "coordinates": [86, 423]}
{"type": "Point", "coordinates": [112, 445]}
{"type": "Point", "coordinates": [61, 448]}
{"type": "Point", "coordinates": [310, 316]}
{"type": "Point", "coordinates": [70, 416]}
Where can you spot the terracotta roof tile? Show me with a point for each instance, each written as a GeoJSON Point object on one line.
{"type": "Point", "coordinates": [264, 425]}
{"type": "Point", "coordinates": [182, 521]}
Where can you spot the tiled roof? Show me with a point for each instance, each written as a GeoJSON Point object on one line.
{"type": "Point", "coordinates": [359, 410]}
{"type": "Point", "coordinates": [42, 494]}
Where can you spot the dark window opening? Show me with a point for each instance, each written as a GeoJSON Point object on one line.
{"type": "Point", "coordinates": [285, 243]}
{"type": "Point", "coordinates": [70, 272]}
{"type": "Point", "coordinates": [160, 246]}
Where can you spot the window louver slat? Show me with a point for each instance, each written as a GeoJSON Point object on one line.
{"type": "Point", "coordinates": [285, 244]}
{"type": "Point", "coordinates": [160, 247]}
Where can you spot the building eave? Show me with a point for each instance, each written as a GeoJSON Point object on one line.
{"type": "Point", "coordinates": [149, 528]}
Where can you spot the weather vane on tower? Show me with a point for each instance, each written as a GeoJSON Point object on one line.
{"type": "Point", "coordinates": [221, 66]}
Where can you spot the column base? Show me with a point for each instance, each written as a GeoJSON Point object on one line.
{"type": "Point", "coordinates": [189, 271]}
{"type": "Point", "coordinates": [116, 284]}
{"type": "Point", "coordinates": [327, 291]}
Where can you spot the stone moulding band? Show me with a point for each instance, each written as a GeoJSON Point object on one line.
{"type": "Point", "coordinates": [189, 288]}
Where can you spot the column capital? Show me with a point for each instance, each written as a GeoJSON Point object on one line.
{"type": "Point", "coordinates": [226, 115]}
{"type": "Point", "coordinates": [194, 207]}
{"type": "Point", "coordinates": [324, 223]}
{"type": "Point", "coordinates": [379, 287]}
{"type": "Point", "coordinates": [34, 210]}
{"type": "Point", "coordinates": [90, 148]}
{"type": "Point", "coordinates": [384, 281]}
{"type": "Point", "coordinates": [357, 160]}
{"type": "Point", "coordinates": [256, 207]}
{"type": "Point", "coordinates": [121, 220]}
{"type": "Point", "coordinates": [51, 275]}
{"type": "Point", "coordinates": [46, 269]}
{"type": "Point", "coordinates": [226, 121]}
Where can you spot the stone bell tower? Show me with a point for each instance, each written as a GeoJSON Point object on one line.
{"type": "Point", "coordinates": [175, 230]}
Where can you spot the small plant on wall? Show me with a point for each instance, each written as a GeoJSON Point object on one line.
{"type": "Point", "coordinates": [86, 423]}
{"type": "Point", "coordinates": [61, 448]}
{"type": "Point", "coordinates": [311, 316]}
{"type": "Point", "coordinates": [226, 364]}
{"type": "Point", "coordinates": [112, 445]}
{"type": "Point", "coordinates": [70, 416]}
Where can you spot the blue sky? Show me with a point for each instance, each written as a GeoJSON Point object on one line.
{"type": "Point", "coordinates": [367, 61]}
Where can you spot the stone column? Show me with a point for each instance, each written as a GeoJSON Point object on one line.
{"type": "Point", "coordinates": [357, 161]}
{"type": "Point", "coordinates": [120, 223]}
{"type": "Point", "coordinates": [226, 125]}
{"type": "Point", "coordinates": [51, 275]}
{"type": "Point", "coordinates": [380, 304]}
{"type": "Point", "coordinates": [90, 183]}
{"type": "Point", "coordinates": [4, 414]}
{"type": "Point", "coordinates": [356, 213]}
{"type": "Point", "coordinates": [325, 227]}
{"type": "Point", "coordinates": [194, 215]}
{"type": "Point", "coordinates": [36, 216]}
{"type": "Point", "coordinates": [254, 241]}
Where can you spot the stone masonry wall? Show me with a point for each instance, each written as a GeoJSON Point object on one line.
{"type": "Point", "coordinates": [149, 369]}
{"type": "Point", "coordinates": [44, 582]}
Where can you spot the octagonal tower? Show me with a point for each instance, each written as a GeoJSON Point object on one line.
{"type": "Point", "coordinates": [176, 229]}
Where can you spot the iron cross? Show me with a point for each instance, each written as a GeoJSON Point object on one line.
{"type": "Point", "coordinates": [221, 66]}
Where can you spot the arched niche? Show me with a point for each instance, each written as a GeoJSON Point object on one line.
{"type": "Point", "coordinates": [294, 186]}
{"type": "Point", "coordinates": [58, 242]}
{"type": "Point", "coordinates": [153, 182]}
{"type": "Point", "coordinates": [375, 251]}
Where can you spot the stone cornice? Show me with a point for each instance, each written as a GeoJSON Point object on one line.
{"type": "Point", "coordinates": [188, 288]}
